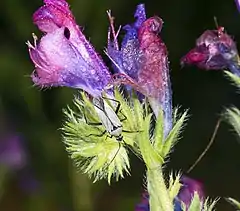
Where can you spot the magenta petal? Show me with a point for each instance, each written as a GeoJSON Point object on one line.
{"type": "Point", "coordinates": [153, 74]}
{"type": "Point", "coordinates": [152, 71]}
{"type": "Point", "coordinates": [60, 3]}
{"type": "Point", "coordinates": [195, 57]}
{"type": "Point", "coordinates": [44, 20]}
{"type": "Point", "coordinates": [53, 15]}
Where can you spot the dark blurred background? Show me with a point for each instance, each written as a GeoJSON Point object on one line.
{"type": "Point", "coordinates": [36, 173]}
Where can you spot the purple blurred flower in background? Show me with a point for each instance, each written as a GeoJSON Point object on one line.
{"type": "Point", "coordinates": [214, 50]}
{"type": "Point", "coordinates": [189, 186]}
{"type": "Point", "coordinates": [27, 181]}
{"type": "Point", "coordinates": [12, 154]}
{"type": "Point", "coordinates": [142, 62]}
{"type": "Point", "coordinates": [14, 159]}
{"type": "Point", "coordinates": [63, 56]}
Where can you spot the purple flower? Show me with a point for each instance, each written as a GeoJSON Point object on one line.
{"type": "Point", "coordinates": [214, 50]}
{"type": "Point", "coordinates": [185, 195]}
{"type": "Point", "coordinates": [63, 56]}
{"type": "Point", "coordinates": [142, 62]}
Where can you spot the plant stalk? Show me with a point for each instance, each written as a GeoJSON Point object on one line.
{"type": "Point", "coordinates": [158, 194]}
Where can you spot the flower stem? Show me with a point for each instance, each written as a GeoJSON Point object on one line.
{"type": "Point", "coordinates": [158, 194]}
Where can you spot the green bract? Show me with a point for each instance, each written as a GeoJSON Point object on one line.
{"type": "Point", "coordinates": [99, 154]}
{"type": "Point", "coordinates": [233, 114]}
{"type": "Point", "coordinates": [93, 149]}
{"type": "Point", "coordinates": [198, 205]}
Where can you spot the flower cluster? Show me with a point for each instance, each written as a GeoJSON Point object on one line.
{"type": "Point", "coordinates": [64, 57]}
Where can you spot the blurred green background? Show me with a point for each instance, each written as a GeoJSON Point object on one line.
{"type": "Point", "coordinates": [37, 115]}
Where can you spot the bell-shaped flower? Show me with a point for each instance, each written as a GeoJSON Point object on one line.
{"type": "Point", "coordinates": [63, 56]}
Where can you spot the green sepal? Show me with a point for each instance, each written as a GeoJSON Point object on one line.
{"type": "Point", "coordinates": [174, 185]}
{"type": "Point", "coordinates": [173, 136]}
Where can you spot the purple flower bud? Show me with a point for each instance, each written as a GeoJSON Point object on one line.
{"type": "Point", "coordinates": [185, 195]}
{"type": "Point", "coordinates": [63, 56]}
{"type": "Point", "coordinates": [142, 62]}
{"type": "Point", "coordinates": [214, 50]}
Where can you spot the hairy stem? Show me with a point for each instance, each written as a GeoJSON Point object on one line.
{"type": "Point", "coordinates": [158, 195]}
